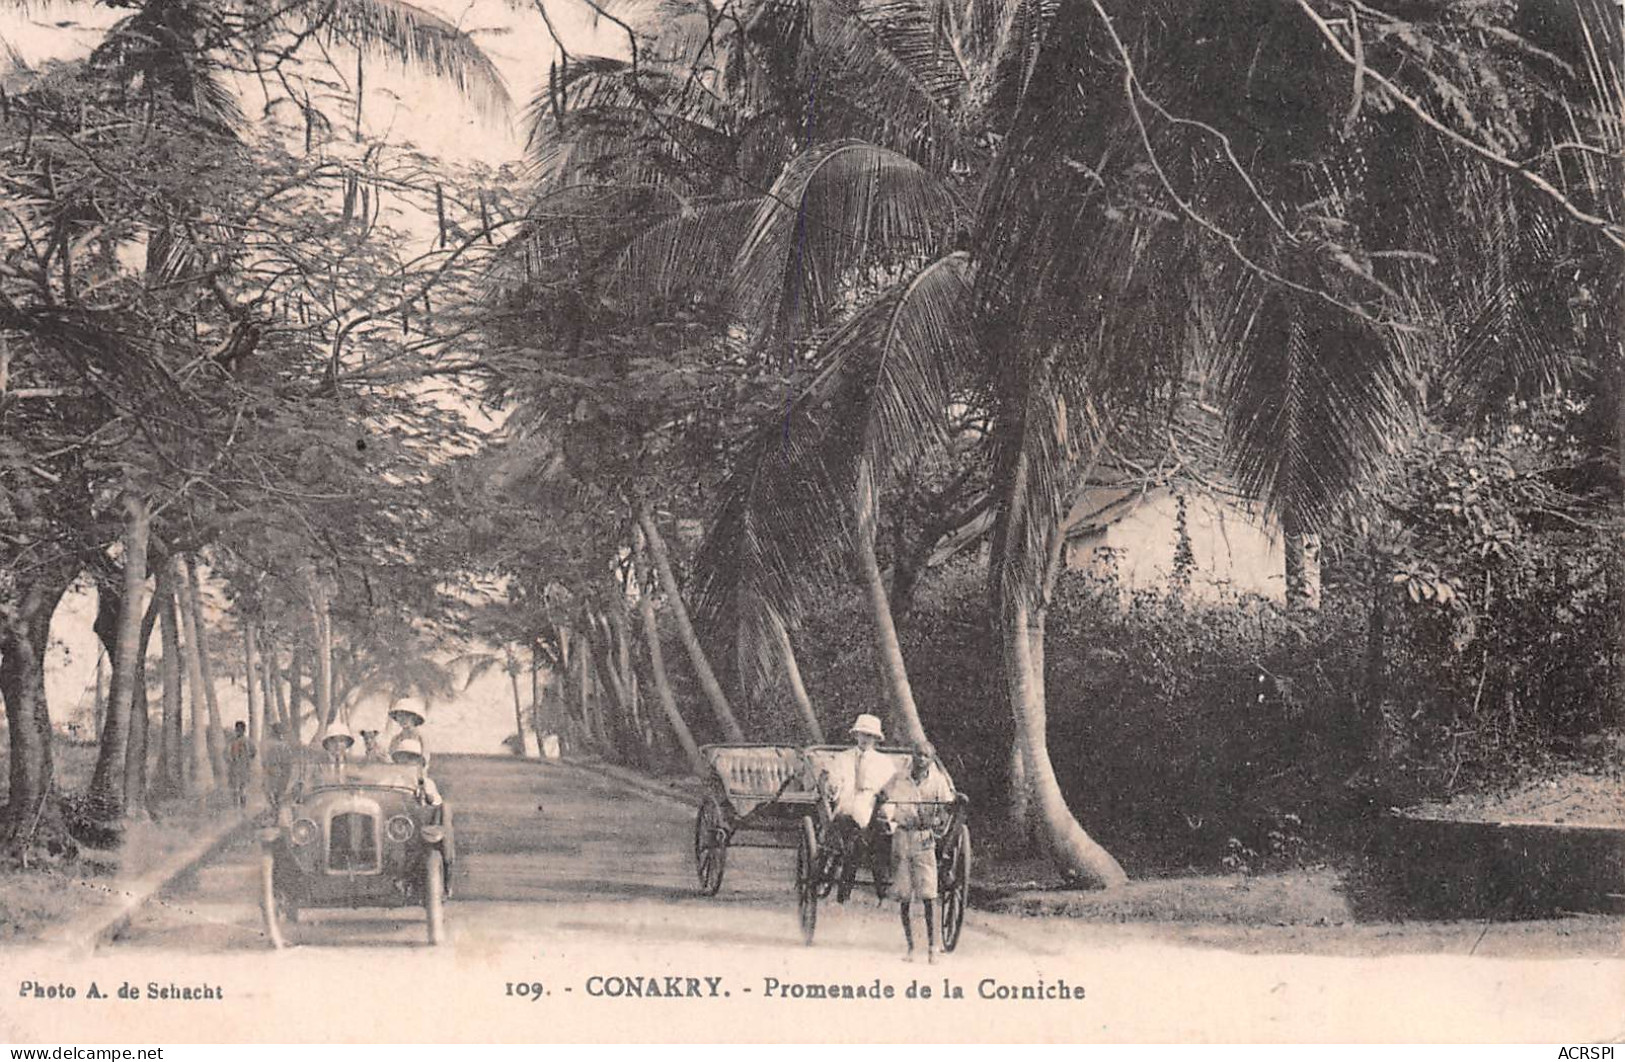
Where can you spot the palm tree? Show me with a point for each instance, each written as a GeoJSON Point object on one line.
{"type": "Point", "coordinates": [1128, 165]}
{"type": "Point", "coordinates": [180, 48]}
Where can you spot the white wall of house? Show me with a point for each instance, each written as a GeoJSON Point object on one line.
{"type": "Point", "coordinates": [1234, 546]}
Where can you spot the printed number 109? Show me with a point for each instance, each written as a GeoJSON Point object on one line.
{"type": "Point", "coordinates": [531, 990]}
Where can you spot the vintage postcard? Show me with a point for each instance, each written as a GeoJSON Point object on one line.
{"type": "Point", "coordinates": [812, 521]}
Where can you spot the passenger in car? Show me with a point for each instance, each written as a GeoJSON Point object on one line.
{"type": "Point", "coordinates": [407, 715]}
{"type": "Point", "coordinates": [410, 753]}
{"type": "Point", "coordinates": [336, 743]}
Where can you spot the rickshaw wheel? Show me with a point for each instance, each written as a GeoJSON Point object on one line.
{"type": "Point", "coordinates": [807, 880]}
{"type": "Point", "coordinates": [710, 846]}
{"type": "Point", "coordinates": [955, 875]}
{"type": "Point", "coordinates": [434, 895]}
{"type": "Point", "coordinates": [270, 903]}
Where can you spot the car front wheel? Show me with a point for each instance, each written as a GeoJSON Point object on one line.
{"type": "Point", "coordinates": [272, 905]}
{"type": "Point", "coordinates": [434, 895]}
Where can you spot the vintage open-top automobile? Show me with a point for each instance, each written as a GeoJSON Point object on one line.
{"type": "Point", "coordinates": [356, 835]}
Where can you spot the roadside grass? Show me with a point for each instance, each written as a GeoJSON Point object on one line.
{"type": "Point", "coordinates": [54, 889]}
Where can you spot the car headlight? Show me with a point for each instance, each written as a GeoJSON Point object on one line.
{"type": "Point", "coordinates": [400, 828]}
{"type": "Point", "coordinates": [302, 832]}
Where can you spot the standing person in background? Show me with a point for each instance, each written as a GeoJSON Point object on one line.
{"type": "Point", "coordinates": [278, 763]}
{"type": "Point", "coordinates": [239, 758]}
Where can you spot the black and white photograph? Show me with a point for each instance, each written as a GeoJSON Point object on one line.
{"type": "Point", "coordinates": [812, 521]}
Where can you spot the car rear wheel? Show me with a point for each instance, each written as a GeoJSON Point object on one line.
{"type": "Point", "coordinates": [434, 895]}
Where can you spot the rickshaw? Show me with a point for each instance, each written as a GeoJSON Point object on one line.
{"type": "Point", "coordinates": [356, 835]}
{"type": "Point", "coordinates": [775, 796]}
{"type": "Point", "coordinates": [756, 797]}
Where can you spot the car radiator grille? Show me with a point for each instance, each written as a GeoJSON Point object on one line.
{"type": "Point", "coordinates": [352, 843]}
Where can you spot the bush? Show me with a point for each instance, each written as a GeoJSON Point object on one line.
{"type": "Point", "coordinates": [1468, 642]}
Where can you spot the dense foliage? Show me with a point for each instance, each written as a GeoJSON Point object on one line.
{"type": "Point", "coordinates": [813, 325]}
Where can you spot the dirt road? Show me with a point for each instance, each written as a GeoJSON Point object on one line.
{"type": "Point", "coordinates": [578, 884]}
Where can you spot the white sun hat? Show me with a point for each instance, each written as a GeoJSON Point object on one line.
{"type": "Point", "coordinates": [868, 724]}
{"type": "Point", "coordinates": [338, 734]}
{"type": "Point", "coordinates": [409, 712]}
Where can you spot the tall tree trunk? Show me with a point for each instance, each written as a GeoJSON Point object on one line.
{"type": "Point", "coordinates": [1376, 655]}
{"type": "Point", "coordinates": [592, 713]}
{"type": "Point", "coordinates": [626, 680]}
{"type": "Point", "coordinates": [1022, 582]}
{"type": "Point", "coordinates": [518, 707]}
{"type": "Point", "coordinates": [320, 624]}
{"type": "Point", "coordinates": [657, 665]}
{"type": "Point", "coordinates": [539, 722]}
{"type": "Point", "coordinates": [685, 628]}
{"type": "Point", "coordinates": [1300, 562]}
{"type": "Point", "coordinates": [798, 688]}
{"type": "Point", "coordinates": [256, 721]}
{"type": "Point", "coordinates": [342, 674]}
{"type": "Point", "coordinates": [1018, 799]}
{"type": "Point", "coordinates": [135, 761]}
{"type": "Point", "coordinates": [613, 717]}
{"type": "Point", "coordinates": [899, 693]}
{"type": "Point", "coordinates": [109, 610]}
{"type": "Point", "coordinates": [98, 706]}
{"type": "Point", "coordinates": [567, 722]}
{"type": "Point", "coordinates": [201, 775]}
{"type": "Point", "coordinates": [1069, 845]}
{"type": "Point", "coordinates": [171, 739]}
{"type": "Point", "coordinates": [270, 683]}
{"type": "Point", "coordinates": [296, 693]}
{"type": "Point", "coordinates": [25, 633]}
{"type": "Point", "coordinates": [217, 734]}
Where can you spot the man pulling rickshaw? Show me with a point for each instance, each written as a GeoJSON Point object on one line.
{"type": "Point", "coordinates": [912, 807]}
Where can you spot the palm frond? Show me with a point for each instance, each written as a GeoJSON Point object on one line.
{"type": "Point", "coordinates": [836, 208]}
{"type": "Point", "coordinates": [475, 666]}
{"type": "Point", "coordinates": [888, 59]}
{"type": "Point", "coordinates": [888, 373]}
{"type": "Point", "coordinates": [779, 534]}
{"type": "Point", "coordinates": [420, 39]}
{"type": "Point", "coordinates": [157, 50]}
{"type": "Point", "coordinates": [691, 251]}
{"type": "Point", "coordinates": [881, 395]}
{"type": "Point", "coordinates": [1010, 36]}
{"type": "Point", "coordinates": [1314, 400]}
{"type": "Point", "coordinates": [602, 118]}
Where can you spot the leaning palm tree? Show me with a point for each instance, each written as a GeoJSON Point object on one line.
{"type": "Point", "coordinates": [1127, 162]}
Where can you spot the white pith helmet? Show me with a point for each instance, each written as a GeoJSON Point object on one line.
{"type": "Point", "coordinates": [338, 736]}
{"type": "Point", "coordinates": [409, 712]}
{"type": "Point", "coordinates": [868, 724]}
